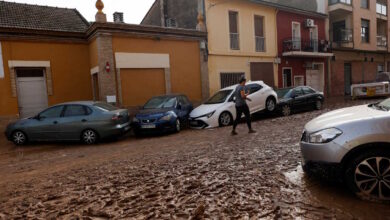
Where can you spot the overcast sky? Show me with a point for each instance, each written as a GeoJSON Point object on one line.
{"type": "Point", "coordinates": [134, 10]}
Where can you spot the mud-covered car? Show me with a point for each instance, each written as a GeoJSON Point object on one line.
{"type": "Point", "coordinates": [352, 145]}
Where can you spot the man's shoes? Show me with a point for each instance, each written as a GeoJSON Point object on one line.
{"type": "Point", "coordinates": [252, 131]}
{"type": "Point", "coordinates": [234, 133]}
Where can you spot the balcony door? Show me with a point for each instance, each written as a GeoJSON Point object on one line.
{"type": "Point", "coordinates": [314, 38]}
{"type": "Point", "coordinates": [296, 35]}
{"type": "Point", "coordinates": [338, 28]}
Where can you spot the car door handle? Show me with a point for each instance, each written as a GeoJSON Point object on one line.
{"type": "Point", "coordinates": [55, 122]}
{"type": "Point", "coordinates": [84, 120]}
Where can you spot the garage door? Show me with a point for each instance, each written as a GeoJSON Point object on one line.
{"type": "Point", "coordinates": [32, 94]}
{"type": "Point", "coordinates": [139, 85]}
{"type": "Point", "coordinates": [314, 78]}
{"type": "Point", "coordinates": [263, 72]}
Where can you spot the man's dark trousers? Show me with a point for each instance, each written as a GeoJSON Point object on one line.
{"type": "Point", "coordinates": [243, 109]}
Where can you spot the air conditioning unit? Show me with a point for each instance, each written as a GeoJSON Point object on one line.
{"type": "Point", "coordinates": [309, 23]}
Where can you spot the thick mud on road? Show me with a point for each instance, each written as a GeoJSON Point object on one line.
{"type": "Point", "coordinates": [191, 175]}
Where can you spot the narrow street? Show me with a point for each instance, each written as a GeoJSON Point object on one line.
{"type": "Point", "coordinates": [197, 173]}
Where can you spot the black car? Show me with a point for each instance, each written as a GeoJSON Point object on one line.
{"type": "Point", "coordinates": [299, 98]}
{"type": "Point", "coordinates": [162, 113]}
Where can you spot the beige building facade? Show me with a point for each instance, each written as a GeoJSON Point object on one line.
{"type": "Point", "coordinates": [235, 49]}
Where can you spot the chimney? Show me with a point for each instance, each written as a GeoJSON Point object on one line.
{"type": "Point", "coordinates": [118, 17]}
{"type": "Point", "coordinates": [100, 16]}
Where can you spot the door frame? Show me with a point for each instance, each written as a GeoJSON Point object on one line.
{"type": "Point", "coordinates": [285, 68]}
{"type": "Point", "coordinates": [17, 84]}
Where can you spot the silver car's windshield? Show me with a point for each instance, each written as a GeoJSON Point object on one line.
{"type": "Point", "coordinates": [160, 102]}
{"type": "Point", "coordinates": [219, 97]}
{"type": "Point", "coordinates": [384, 105]}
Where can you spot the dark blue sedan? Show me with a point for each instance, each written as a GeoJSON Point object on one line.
{"type": "Point", "coordinates": [162, 113]}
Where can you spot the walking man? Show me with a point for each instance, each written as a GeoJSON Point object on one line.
{"type": "Point", "coordinates": [241, 107]}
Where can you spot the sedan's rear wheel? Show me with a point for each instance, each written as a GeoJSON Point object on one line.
{"type": "Point", "coordinates": [318, 105]}
{"type": "Point", "coordinates": [225, 119]}
{"type": "Point", "coordinates": [369, 175]}
{"type": "Point", "coordinates": [19, 138]}
{"type": "Point", "coordinates": [286, 110]}
{"type": "Point", "coordinates": [89, 137]}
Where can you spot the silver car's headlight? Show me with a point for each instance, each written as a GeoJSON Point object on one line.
{"type": "Point", "coordinates": [324, 136]}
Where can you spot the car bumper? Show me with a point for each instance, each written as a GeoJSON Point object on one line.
{"type": "Point", "coordinates": [203, 122]}
{"type": "Point", "coordinates": [117, 130]}
{"type": "Point", "coordinates": [154, 127]}
{"type": "Point", "coordinates": [332, 172]}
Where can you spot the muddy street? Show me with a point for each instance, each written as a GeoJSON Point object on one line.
{"type": "Point", "coordinates": [194, 174]}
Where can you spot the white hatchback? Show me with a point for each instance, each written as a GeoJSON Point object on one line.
{"type": "Point", "coordinates": [220, 109]}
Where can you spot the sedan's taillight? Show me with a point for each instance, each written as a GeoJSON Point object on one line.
{"type": "Point", "coordinates": [117, 117]}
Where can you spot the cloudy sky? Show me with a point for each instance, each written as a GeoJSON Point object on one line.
{"type": "Point", "coordinates": [134, 10]}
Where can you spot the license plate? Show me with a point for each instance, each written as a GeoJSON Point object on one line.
{"type": "Point", "coordinates": [148, 126]}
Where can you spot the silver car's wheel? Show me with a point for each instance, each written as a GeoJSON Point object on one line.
{"type": "Point", "coordinates": [318, 105]}
{"type": "Point", "coordinates": [270, 105]}
{"type": "Point", "coordinates": [19, 138]}
{"type": "Point", "coordinates": [89, 137]}
{"type": "Point", "coordinates": [178, 125]}
{"type": "Point", "coordinates": [225, 119]}
{"type": "Point", "coordinates": [286, 110]}
{"type": "Point", "coordinates": [372, 177]}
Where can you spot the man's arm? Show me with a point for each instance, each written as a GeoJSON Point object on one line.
{"type": "Point", "coordinates": [245, 95]}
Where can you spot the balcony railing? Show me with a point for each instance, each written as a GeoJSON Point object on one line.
{"type": "Point", "coordinates": [342, 35]}
{"type": "Point", "coordinates": [381, 41]}
{"type": "Point", "coordinates": [311, 45]}
{"type": "Point", "coordinates": [234, 41]}
{"type": "Point", "coordinates": [260, 44]}
{"type": "Point", "coordinates": [332, 2]}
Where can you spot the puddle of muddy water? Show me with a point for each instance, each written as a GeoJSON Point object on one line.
{"type": "Point", "coordinates": [308, 191]}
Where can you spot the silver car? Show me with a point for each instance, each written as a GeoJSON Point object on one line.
{"type": "Point", "coordinates": [74, 121]}
{"type": "Point", "coordinates": [352, 144]}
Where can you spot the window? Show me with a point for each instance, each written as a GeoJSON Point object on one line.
{"type": "Point", "coordinates": [381, 8]}
{"type": "Point", "coordinates": [298, 92]}
{"type": "Point", "coordinates": [364, 4]}
{"type": "Point", "coordinates": [254, 88]}
{"type": "Point", "coordinates": [259, 34]}
{"type": "Point", "coordinates": [365, 31]}
{"type": "Point", "coordinates": [233, 30]}
{"type": "Point", "coordinates": [229, 79]}
{"type": "Point", "coordinates": [74, 110]}
{"type": "Point", "coordinates": [381, 68]}
{"type": "Point", "coordinates": [307, 90]}
{"type": "Point", "coordinates": [54, 112]}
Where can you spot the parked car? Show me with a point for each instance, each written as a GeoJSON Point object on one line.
{"type": "Point", "coordinates": [299, 98]}
{"type": "Point", "coordinates": [74, 121]}
{"type": "Point", "coordinates": [220, 109]}
{"type": "Point", "coordinates": [162, 113]}
{"type": "Point", "coordinates": [351, 144]}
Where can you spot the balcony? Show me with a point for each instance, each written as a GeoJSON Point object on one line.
{"type": "Point", "coordinates": [234, 41]}
{"type": "Point", "coordinates": [340, 5]}
{"type": "Point", "coordinates": [260, 44]}
{"type": "Point", "coordinates": [381, 43]}
{"type": "Point", "coordinates": [381, 10]}
{"type": "Point", "coordinates": [342, 38]}
{"type": "Point", "coordinates": [306, 48]}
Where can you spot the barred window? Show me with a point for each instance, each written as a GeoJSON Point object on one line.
{"type": "Point", "coordinates": [230, 79]}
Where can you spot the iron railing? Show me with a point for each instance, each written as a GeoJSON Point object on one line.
{"type": "Point", "coordinates": [381, 41]}
{"type": "Point", "coordinates": [234, 41]}
{"type": "Point", "coordinates": [332, 2]}
{"type": "Point", "coordinates": [311, 45]}
{"type": "Point", "coordinates": [260, 44]}
{"type": "Point", "coordinates": [342, 35]}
